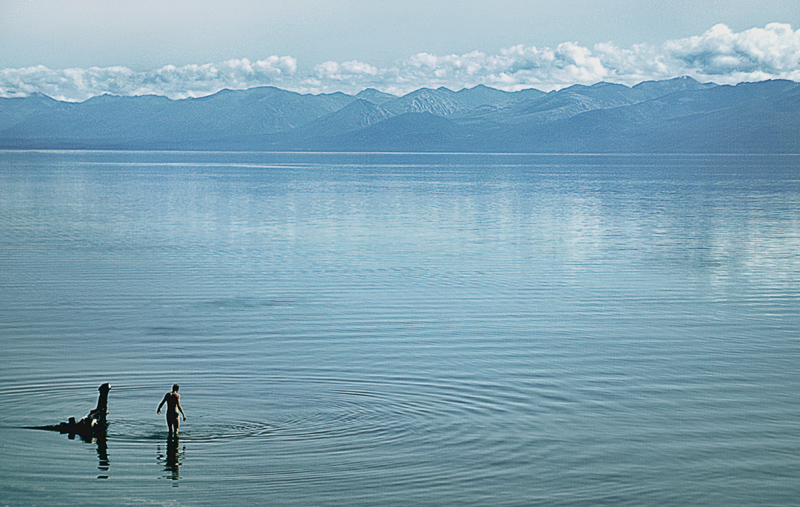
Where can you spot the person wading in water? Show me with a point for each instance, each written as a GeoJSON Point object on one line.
{"type": "Point", "coordinates": [173, 401]}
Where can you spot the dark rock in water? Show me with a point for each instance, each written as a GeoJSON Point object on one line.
{"type": "Point", "coordinates": [86, 427]}
{"type": "Point", "coordinates": [93, 425]}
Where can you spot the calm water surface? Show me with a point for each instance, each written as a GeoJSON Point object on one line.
{"type": "Point", "coordinates": [380, 329]}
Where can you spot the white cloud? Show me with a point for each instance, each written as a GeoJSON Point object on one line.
{"type": "Point", "coordinates": [345, 72]}
{"type": "Point", "coordinates": [773, 50]}
{"type": "Point", "coordinates": [171, 81]}
{"type": "Point", "coordinates": [720, 55]}
{"type": "Point", "coordinates": [199, 80]}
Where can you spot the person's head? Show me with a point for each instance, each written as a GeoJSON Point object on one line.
{"type": "Point", "coordinates": [175, 388]}
{"type": "Point", "coordinates": [104, 388]}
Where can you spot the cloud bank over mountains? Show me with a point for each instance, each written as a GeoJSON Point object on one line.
{"type": "Point", "coordinates": [719, 55]}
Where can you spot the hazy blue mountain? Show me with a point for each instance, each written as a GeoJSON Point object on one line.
{"type": "Point", "coordinates": [481, 95]}
{"type": "Point", "coordinates": [107, 121]}
{"type": "Point", "coordinates": [439, 102]}
{"type": "Point", "coordinates": [702, 100]}
{"type": "Point", "coordinates": [445, 102]}
{"type": "Point", "coordinates": [750, 117]}
{"type": "Point", "coordinates": [755, 119]}
{"type": "Point", "coordinates": [652, 89]}
{"type": "Point", "coordinates": [407, 132]}
{"type": "Point", "coordinates": [568, 102]}
{"type": "Point", "coordinates": [564, 103]}
{"type": "Point", "coordinates": [156, 122]}
{"type": "Point", "coordinates": [15, 110]}
{"type": "Point", "coordinates": [259, 110]}
{"type": "Point", "coordinates": [375, 96]}
{"type": "Point", "coordinates": [355, 115]}
{"type": "Point", "coordinates": [677, 115]}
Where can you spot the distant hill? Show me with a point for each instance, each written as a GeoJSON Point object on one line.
{"type": "Point", "coordinates": [677, 115]}
{"type": "Point", "coordinates": [356, 115]}
{"type": "Point", "coordinates": [375, 96]}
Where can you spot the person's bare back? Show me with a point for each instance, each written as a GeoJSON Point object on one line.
{"type": "Point", "coordinates": [173, 401]}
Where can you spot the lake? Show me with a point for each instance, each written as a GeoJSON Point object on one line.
{"type": "Point", "coordinates": [401, 329]}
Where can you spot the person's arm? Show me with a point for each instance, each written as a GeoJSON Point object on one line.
{"type": "Point", "coordinates": [158, 411]}
{"type": "Point", "coordinates": [180, 408]}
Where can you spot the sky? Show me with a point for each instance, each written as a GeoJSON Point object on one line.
{"type": "Point", "coordinates": [76, 49]}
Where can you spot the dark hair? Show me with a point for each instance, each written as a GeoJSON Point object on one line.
{"type": "Point", "coordinates": [175, 387]}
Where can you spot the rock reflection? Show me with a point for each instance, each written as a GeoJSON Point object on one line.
{"type": "Point", "coordinates": [101, 440]}
{"type": "Point", "coordinates": [104, 465]}
{"type": "Point", "coordinates": [172, 458]}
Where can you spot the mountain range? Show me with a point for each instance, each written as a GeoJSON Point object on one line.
{"type": "Point", "coordinates": [679, 115]}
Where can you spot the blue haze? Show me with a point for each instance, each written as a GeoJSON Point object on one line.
{"type": "Point", "coordinates": [402, 329]}
{"type": "Point", "coordinates": [673, 116]}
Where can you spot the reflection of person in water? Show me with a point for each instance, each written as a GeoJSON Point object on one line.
{"type": "Point", "coordinates": [173, 457]}
{"type": "Point", "coordinates": [173, 401]}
